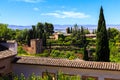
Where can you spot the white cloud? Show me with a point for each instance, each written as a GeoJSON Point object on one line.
{"type": "Point", "coordinates": [31, 1]}
{"type": "Point", "coordinates": [66, 14]}
{"type": "Point", "coordinates": [36, 9]}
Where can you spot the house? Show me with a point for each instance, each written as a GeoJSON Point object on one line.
{"type": "Point", "coordinates": [91, 36]}
{"type": "Point", "coordinates": [55, 35]}
{"type": "Point", "coordinates": [85, 69]}
{"type": "Point", "coordinates": [8, 51]}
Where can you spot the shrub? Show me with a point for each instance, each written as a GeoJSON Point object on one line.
{"type": "Point", "coordinates": [21, 51]}
{"type": "Point", "coordinates": [55, 53]}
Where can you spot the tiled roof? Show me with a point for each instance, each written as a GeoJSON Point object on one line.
{"type": "Point", "coordinates": [6, 53]}
{"type": "Point", "coordinates": [69, 63]}
{"type": "Point", "coordinates": [90, 35]}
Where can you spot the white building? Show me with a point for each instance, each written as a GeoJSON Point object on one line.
{"type": "Point", "coordinates": [7, 54]}
{"type": "Point", "coordinates": [85, 69]}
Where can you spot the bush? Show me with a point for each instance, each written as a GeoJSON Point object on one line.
{"type": "Point", "coordinates": [69, 55]}
{"type": "Point", "coordinates": [21, 51]}
{"type": "Point", "coordinates": [60, 76]}
{"type": "Point", "coordinates": [55, 53]}
{"type": "Point", "coordinates": [43, 54]}
{"type": "Point", "coordinates": [92, 50]}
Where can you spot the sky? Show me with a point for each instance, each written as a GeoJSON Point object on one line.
{"type": "Point", "coordinates": [30, 12]}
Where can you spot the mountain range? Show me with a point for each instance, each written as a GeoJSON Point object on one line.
{"type": "Point", "coordinates": [62, 28]}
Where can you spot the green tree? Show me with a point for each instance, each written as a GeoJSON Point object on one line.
{"type": "Point", "coordinates": [83, 37]}
{"type": "Point", "coordinates": [49, 29]}
{"type": "Point", "coordinates": [102, 47]}
{"type": "Point", "coordinates": [86, 31]}
{"type": "Point", "coordinates": [74, 30]}
{"type": "Point", "coordinates": [44, 39]}
{"type": "Point", "coordinates": [40, 30]}
{"type": "Point", "coordinates": [71, 30]}
{"type": "Point", "coordinates": [85, 57]}
{"type": "Point", "coordinates": [34, 35]}
{"type": "Point", "coordinates": [4, 32]}
{"type": "Point", "coordinates": [94, 31]}
{"type": "Point", "coordinates": [68, 30]}
{"type": "Point", "coordinates": [112, 33]}
{"type": "Point", "coordinates": [61, 37]}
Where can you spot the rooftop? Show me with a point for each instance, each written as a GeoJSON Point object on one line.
{"type": "Point", "coordinates": [11, 41]}
{"type": "Point", "coordinates": [6, 53]}
{"type": "Point", "coordinates": [68, 63]}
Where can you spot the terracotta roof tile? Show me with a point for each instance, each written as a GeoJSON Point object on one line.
{"type": "Point", "coordinates": [6, 53]}
{"type": "Point", "coordinates": [68, 63]}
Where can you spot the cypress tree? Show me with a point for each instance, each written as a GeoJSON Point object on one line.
{"type": "Point", "coordinates": [85, 57]}
{"type": "Point", "coordinates": [67, 30]}
{"type": "Point", "coordinates": [102, 46]}
{"type": "Point", "coordinates": [71, 30]}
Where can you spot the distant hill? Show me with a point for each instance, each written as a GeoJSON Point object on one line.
{"type": "Point", "coordinates": [19, 27]}
{"type": "Point", "coordinates": [62, 28]}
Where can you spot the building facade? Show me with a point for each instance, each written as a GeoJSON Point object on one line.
{"type": "Point", "coordinates": [7, 54]}
{"type": "Point", "coordinates": [85, 69]}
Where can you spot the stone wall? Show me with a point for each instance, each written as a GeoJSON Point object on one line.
{"type": "Point", "coordinates": [39, 70]}
{"type": "Point", "coordinates": [6, 66]}
{"type": "Point", "coordinates": [36, 46]}
{"type": "Point", "coordinates": [11, 45]}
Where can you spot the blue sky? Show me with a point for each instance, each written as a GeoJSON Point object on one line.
{"type": "Point", "coordinates": [29, 12]}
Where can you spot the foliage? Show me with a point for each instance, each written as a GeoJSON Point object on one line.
{"type": "Point", "coordinates": [85, 54]}
{"type": "Point", "coordinates": [6, 33]}
{"type": "Point", "coordinates": [78, 37]}
{"type": "Point", "coordinates": [94, 31]}
{"type": "Point", "coordinates": [61, 37]}
{"type": "Point", "coordinates": [102, 47]}
{"type": "Point", "coordinates": [68, 30]}
{"type": "Point", "coordinates": [112, 33]}
{"type": "Point", "coordinates": [21, 51]}
{"type": "Point", "coordinates": [55, 53]}
{"type": "Point", "coordinates": [86, 31]}
{"type": "Point", "coordinates": [22, 36]}
{"type": "Point", "coordinates": [115, 52]}
{"type": "Point", "coordinates": [63, 54]}
{"type": "Point", "coordinates": [60, 76]}
{"type": "Point", "coordinates": [39, 31]}
{"type": "Point", "coordinates": [49, 28]}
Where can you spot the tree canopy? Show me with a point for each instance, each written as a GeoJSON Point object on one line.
{"type": "Point", "coordinates": [102, 47]}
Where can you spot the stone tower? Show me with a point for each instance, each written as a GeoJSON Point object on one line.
{"type": "Point", "coordinates": [36, 45]}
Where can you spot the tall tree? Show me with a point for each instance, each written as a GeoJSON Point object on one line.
{"type": "Point", "coordinates": [68, 30]}
{"type": "Point", "coordinates": [49, 29]}
{"type": "Point", "coordinates": [71, 30]}
{"type": "Point", "coordinates": [34, 32]}
{"type": "Point", "coordinates": [102, 47]}
{"type": "Point", "coordinates": [40, 30]}
{"type": "Point", "coordinates": [85, 57]}
{"type": "Point", "coordinates": [83, 37]}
